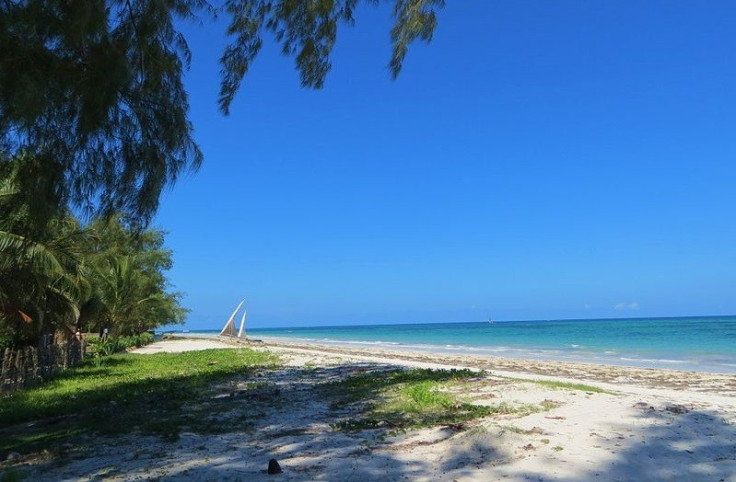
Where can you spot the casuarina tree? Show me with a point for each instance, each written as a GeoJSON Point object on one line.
{"type": "Point", "coordinates": [93, 89]}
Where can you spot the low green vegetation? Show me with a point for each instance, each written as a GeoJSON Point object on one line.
{"type": "Point", "coordinates": [98, 348]}
{"type": "Point", "coordinates": [557, 385]}
{"type": "Point", "coordinates": [124, 394]}
{"type": "Point", "coordinates": [571, 386]}
{"type": "Point", "coordinates": [522, 431]}
{"type": "Point", "coordinates": [549, 404]}
{"type": "Point", "coordinates": [404, 399]}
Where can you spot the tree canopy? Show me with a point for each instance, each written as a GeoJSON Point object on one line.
{"type": "Point", "coordinates": [94, 119]}
{"type": "Point", "coordinates": [92, 89]}
{"type": "Point", "coordinates": [61, 275]}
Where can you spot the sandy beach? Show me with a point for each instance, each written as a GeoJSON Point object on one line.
{"type": "Point", "coordinates": [646, 425]}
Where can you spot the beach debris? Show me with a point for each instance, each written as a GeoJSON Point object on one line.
{"type": "Point", "coordinates": [274, 467]}
{"type": "Point", "coordinates": [12, 457]}
{"type": "Point", "coordinates": [677, 409]}
{"type": "Point", "coordinates": [643, 406]}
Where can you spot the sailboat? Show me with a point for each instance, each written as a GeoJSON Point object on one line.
{"type": "Point", "coordinates": [490, 321]}
{"type": "Point", "coordinates": [241, 332]}
{"type": "Point", "coordinates": [229, 328]}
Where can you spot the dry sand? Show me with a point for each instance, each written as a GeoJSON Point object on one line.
{"type": "Point", "coordinates": [655, 425]}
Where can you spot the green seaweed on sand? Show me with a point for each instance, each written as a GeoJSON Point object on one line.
{"type": "Point", "coordinates": [571, 386]}
{"type": "Point", "coordinates": [404, 399]}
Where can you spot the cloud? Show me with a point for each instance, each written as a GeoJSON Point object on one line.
{"type": "Point", "coordinates": [587, 306]}
{"type": "Point", "coordinates": [634, 305]}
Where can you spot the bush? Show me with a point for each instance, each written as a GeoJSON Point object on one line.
{"type": "Point", "coordinates": [125, 342]}
{"type": "Point", "coordinates": [6, 340]}
{"type": "Point", "coordinates": [101, 348]}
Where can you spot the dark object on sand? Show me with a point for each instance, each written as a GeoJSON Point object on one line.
{"type": "Point", "coordinates": [274, 467]}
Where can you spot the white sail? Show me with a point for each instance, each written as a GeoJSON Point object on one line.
{"type": "Point", "coordinates": [242, 324]}
{"type": "Point", "coordinates": [229, 328]}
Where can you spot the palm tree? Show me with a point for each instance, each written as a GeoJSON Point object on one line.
{"type": "Point", "coordinates": [131, 300]}
{"type": "Point", "coordinates": [43, 260]}
{"type": "Point", "coordinates": [63, 275]}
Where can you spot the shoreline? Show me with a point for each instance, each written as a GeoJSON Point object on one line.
{"type": "Point", "coordinates": [695, 343]}
{"type": "Point", "coordinates": [399, 351]}
{"type": "Point", "coordinates": [543, 356]}
{"type": "Point", "coordinates": [686, 386]}
{"type": "Point", "coordinates": [610, 377]}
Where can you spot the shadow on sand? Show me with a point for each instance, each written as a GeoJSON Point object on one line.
{"type": "Point", "coordinates": [291, 419]}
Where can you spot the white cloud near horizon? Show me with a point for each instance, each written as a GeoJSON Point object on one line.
{"type": "Point", "coordinates": [634, 305]}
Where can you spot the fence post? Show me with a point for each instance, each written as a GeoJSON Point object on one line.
{"type": "Point", "coordinates": [34, 364]}
{"type": "Point", "coordinates": [18, 368]}
{"type": "Point", "coordinates": [5, 373]}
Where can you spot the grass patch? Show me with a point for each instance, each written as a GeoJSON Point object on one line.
{"type": "Point", "coordinates": [366, 385]}
{"type": "Point", "coordinates": [128, 392]}
{"type": "Point", "coordinates": [548, 405]}
{"type": "Point", "coordinates": [521, 431]}
{"type": "Point", "coordinates": [570, 386]}
{"type": "Point", "coordinates": [403, 399]}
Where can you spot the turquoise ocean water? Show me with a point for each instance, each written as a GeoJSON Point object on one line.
{"type": "Point", "coordinates": [693, 343]}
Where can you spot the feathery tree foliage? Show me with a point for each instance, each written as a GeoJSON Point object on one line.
{"type": "Point", "coordinates": [92, 89]}
{"type": "Point", "coordinates": [307, 30]}
{"type": "Point", "coordinates": [94, 115]}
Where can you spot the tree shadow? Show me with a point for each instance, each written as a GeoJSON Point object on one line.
{"type": "Point", "coordinates": [679, 444]}
{"type": "Point", "coordinates": [670, 443]}
{"type": "Point", "coordinates": [289, 414]}
{"type": "Point", "coordinates": [39, 419]}
{"type": "Point", "coordinates": [286, 414]}
{"type": "Point", "coordinates": [89, 369]}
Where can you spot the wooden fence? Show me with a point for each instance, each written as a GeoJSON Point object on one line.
{"type": "Point", "coordinates": [28, 366]}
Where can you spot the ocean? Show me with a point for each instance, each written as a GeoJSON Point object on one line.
{"type": "Point", "coordinates": [692, 343]}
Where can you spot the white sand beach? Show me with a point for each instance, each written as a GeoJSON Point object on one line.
{"type": "Point", "coordinates": [653, 425]}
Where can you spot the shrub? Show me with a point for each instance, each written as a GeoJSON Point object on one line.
{"type": "Point", "coordinates": [138, 340]}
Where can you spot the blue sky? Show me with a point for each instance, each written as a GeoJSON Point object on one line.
{"type": "Point", "coordinates": [537, 160]}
